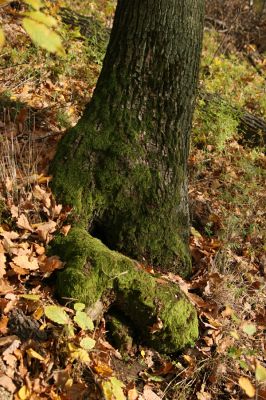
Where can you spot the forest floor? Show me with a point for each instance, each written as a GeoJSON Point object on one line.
{"type": "Point", "coordinates": [46, 351]}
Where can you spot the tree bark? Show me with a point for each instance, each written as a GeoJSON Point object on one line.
{"type": "Point", "coordinates": [123, 167]}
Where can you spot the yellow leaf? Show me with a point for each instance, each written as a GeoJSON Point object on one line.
{"type": "Point", "coordinates": [36, 4]}
{"type": "Point", "coordinates": [260, 373]}
{"type": "Point", "coordinates": [195, 233]}
{"type": "Point", "coordinates": [33, 354]}
{"type": "Point", "coordinates": [2, 38]}
{"type": "Point", "coordinates": [78, 354]}
{"type": "Point", "coordinates": [43, 36]}
{"type": "Point", "coordinates": [24, 393]}
{"type": "Point", "coordinates": [38, 16]}
{"type": "Point", "coordinates": [247, 386]}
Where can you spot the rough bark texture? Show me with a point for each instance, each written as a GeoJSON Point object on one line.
{"type": "Point", "coordinates": [123, 167]}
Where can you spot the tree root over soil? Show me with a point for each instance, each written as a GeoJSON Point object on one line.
{"type": "Point", "coordinates": [160, 313]}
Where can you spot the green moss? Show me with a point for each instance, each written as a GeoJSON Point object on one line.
{"type": "Point", "coordinates": [120, 333]}
{"type": "Point", "coordinates": [111, 186]}
{"type": "Point", "coordinates": [92, 270]}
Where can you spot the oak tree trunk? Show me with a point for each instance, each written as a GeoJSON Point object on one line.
{"type": "Point", "coordinates": [124, 165]}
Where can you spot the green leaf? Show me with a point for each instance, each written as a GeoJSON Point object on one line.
{"type": "Point", "coordinates": [87, 343]}
{"type": "Point", "coordinates": [41, 35]}
{"type": "Point", "coordinates": [83, 321]}
{"type": "Point", "coordinates": [45, 19]}
{"type": "Point", "coordinates": [117, 388]}
{"type": "Point", "coordinates": [79, 306]}
{"type": "Point", "coordinates": [260, 373]}
{"type": "Point", "coordinates": [36, 4]}
{"type": "Point", "coordinates": [249, 329]}
{"type": "Point", "coordinates": [33, 297]}
{"type": "Point", "coordinates": [56, 314]}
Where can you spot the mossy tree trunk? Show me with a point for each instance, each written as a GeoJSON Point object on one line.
{"type": "Point", "coordinates": [123, 169]}
{"type": "Point", "coordinates": [123, 166]}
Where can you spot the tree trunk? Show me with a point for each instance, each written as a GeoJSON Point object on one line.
{"type": "Point", "coordinates": [123, 167]}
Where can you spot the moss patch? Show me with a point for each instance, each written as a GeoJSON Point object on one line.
{"type": "Point", "coordinates": [92, 271]}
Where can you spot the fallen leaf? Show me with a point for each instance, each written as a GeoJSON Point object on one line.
{"type": "Point", "coordinates": [33, 354]}
{"type": "Point", "coordinates": [247, 386]}
{"type": "Point", "coordinates": [24, 393]}
{"type": "Point", "coordinates": [103, 369]}
{"type": "Point", "coordinates": [50, 264]}
{"type": "Point", "coordinates": [45, 229]}
{"type": "Point", "coordinates": [3, 324]}
{"type": "Point", "coordinates": [132, 394]}
{"type": "Point", "coordinates": [2, 265]}
{"type": "Point", "coordinates": [7, 383]}
{"type": "Point", "coordinates": [65, 229]}
{"type": "Point", "coordinates": [249, 329]}
{"type": "Point", "coordinates": [5, 287]}
{"type": "Point", "coordinates": [78, 354]}
{"type": "Point", "coordinates": [149, 394]}
{"type": "Point", "coordinates": [260, 373]}
{"type": "Point", "coordinates": [40, 250]}
{"type": "Point", "coordinates": [42, 195]}
{"type": "Point", "coordinates": [23, 223]}
{"type": "Point", "coordinates": [26, 263]}
{"type": "Point", "coordinates": [18, 270]}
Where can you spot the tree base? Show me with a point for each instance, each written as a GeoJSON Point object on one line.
{"type": "Point", "coordinates": [157, 309]}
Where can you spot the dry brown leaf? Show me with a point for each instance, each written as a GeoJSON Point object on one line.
{"type": "Point", "coordinates": [2, 265]}
{"type": "Point", "coordinates": [65, 229]}
{"type": "Point", "coordinates": [50, 264]}
{"type": "Point", "coordinates": [26, 262]}
{"type": "Point", "coordinates": [4, 341]}
{"type": "Point", "coordinates": [45, 229]}
{"type": "Point", "coordinates": [5, 287]}
{"type": "Point", "coordinates": [40, 250]}
{"type": "Point", "coordinates": [3, 324]}
{"type": "Point", "coordinates": [9, 235]}
{"type": "Point", "coordinates": [132, 394]}
{"type": "Point", "coordinates": [18, 270]}
{"type": "Point", "coordinates": [149, 394]}
{"type": "Point", "coordinates": [7, 383]}
{"type": "Point", "coordinates": [42, 195]}
{"type": "Point", "coordinates": [103, 369]}
{"type": "Point", "coordinates": [57, 210]}
{"type": "Point", "coordinates": [14, 211]}
{"type": "Point", "coordinates": [23, 223]}
{"type": "Point", "coordinates": [9, 184]}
